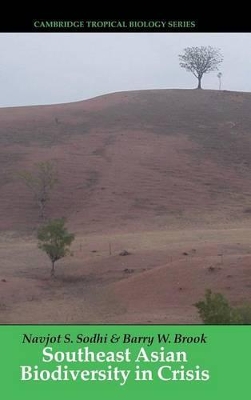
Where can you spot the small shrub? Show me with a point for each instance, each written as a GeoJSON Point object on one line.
{"type": "Point", "coordinates": [124, 253]}
{"type": "Point", "coordinates": [242, 315]}
{"type": "Point", "coordinates": [214, 309]}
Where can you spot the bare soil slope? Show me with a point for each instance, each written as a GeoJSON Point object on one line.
{"type": "Point", "coordinates": [159, 282]}
{"type": "Point", "coordinates": [164, 174]}
{"type": "Point", "coordinates": [126, 159]}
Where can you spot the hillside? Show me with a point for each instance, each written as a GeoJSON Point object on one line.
{"type": "Point", "coordinates": [151, 157]}
{"type": "Point", "coordinates": [164, 174]}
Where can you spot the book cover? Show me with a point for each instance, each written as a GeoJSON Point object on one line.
{"type": "Point", "coordinates": [125, 207]}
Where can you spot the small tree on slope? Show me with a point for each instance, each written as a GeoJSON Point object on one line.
{"type": "Point", "coordinates": [55, 240]}
{"type": "Point", "coordinates": [40, 182]}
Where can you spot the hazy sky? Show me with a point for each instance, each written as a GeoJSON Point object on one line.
{"type": "Point", "coordinates": [51, 68]}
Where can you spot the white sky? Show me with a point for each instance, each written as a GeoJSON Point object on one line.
{"type": "Point", "coordinates": [46, 68]}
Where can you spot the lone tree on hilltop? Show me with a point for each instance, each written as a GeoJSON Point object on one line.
{"type": "Point", "coordinates": [200, 61]}
{"type": "Point", "coordinates": [41, 182]}
{"type": "Point", "coordinates": [55, 240]}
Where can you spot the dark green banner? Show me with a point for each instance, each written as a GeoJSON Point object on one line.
{"type": "Point", "coordinates": [115, 362]}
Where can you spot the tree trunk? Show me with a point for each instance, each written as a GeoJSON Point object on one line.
{"type": "Point", "coordinates": [52, 269]}
{"type": "Point", "coordinates": [42, 207]}
{"type": "Point", "coordinates": [199, 82]}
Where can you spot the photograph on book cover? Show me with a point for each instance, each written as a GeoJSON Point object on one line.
{"type": "Point", "coordinates": [125, 178]}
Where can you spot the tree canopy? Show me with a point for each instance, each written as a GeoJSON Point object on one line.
{"type": "Point", "coordinates": [55, 240]}
{"type": "Point", "coordinates": [200, 61]}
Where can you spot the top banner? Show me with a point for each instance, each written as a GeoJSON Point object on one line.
{"type": "Point", "coordinates": [154, 22]}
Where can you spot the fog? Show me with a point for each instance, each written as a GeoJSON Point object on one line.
{"type": "Point", "coordinates": [47, 68]}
